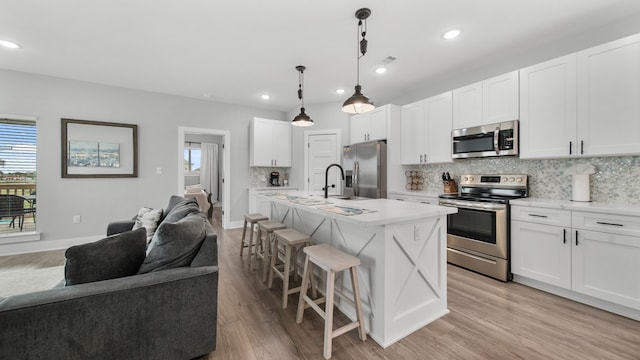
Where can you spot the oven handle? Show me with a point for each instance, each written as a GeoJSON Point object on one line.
{"type": "Point", "coordinates": [473, 206]}
{"type": "Point", "coordinates": [493, 262]}
{"type": "Point", "coordinates": [496, 140]}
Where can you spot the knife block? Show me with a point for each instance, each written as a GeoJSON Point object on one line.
{"type": "Point", "coordinates": [450, 187]}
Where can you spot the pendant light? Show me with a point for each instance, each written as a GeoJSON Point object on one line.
{"type": "Point", "coordinates": [302, 119]}
{"type": "Point", "coordinates": [358, 103]}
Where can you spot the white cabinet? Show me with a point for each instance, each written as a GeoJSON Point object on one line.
{"type": "Point", "coordinates": [486, 102]}
{"type": "Point", "coordinates": [608, 97]}
{"type": "Point", "coordinates": [426, 131]}
{"type": "Point", "coordinates": [548, 120]}
{"type": "Point", "coordinates": [582, 104]}
{"type": "Point", "coordinates": [372, 125]}
{"type": "Point", "coordinates": [594, 254]}
{"type": "Point", "coordinates": [541, 245]}
{"type": "Point", "coordinates": [269, 143]}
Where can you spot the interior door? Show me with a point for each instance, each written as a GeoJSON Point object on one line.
{"type": "Point", "coordinates": [322, 153]}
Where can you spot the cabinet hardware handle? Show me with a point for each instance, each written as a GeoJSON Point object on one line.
{"type": "Point", "coordinates": [608, 223]}
{"type": "Point", "coordinates": [564, 236]}
{"type": "Point", "coordinates": [570, 147]}
{"type": "Point", "coordinates": [420, 157]}
{"type": "Point", "coordinates": [425, 157]}
{"type": "Point", "coordinates": [540, 216]}
{"type": "Point", "coordinates": [581, 147]}
{"type": "Point", "coordinates": [577, 242]}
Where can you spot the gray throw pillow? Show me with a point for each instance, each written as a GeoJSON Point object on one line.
{"type": "Point", "coordinates": [182, 209]}
{"type": "Point", "coordinates": [175, 244]}
{"type": "Point", "coordinates": [174, 200]}
{"type": "Point", "coordinates": [112, 257]}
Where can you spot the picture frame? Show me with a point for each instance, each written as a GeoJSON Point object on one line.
{"type": "Point", "coordinates": [97, 149]}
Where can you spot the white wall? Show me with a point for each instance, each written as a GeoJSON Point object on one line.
{"type": "Point", "coordinates": [158, 116]}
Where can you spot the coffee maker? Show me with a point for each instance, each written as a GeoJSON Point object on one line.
{"type": "Point", "coordinates": [274, 180]}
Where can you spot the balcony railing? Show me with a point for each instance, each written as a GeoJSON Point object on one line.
{"type": "Point", "coordinates": [8, 224]}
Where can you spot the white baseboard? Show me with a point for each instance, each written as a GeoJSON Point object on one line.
{"type": "Point", "coordinates": [236, 224]}
{"type": "Point", "coordinates": [22, 247]}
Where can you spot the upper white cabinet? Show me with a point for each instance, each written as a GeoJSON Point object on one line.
{"type": "Point", "coordinates": [269, 143]}
{"type": "Point", "coordinates": [608, 98]}
{"type": "Point", "coordinates": [583, 104]}
{"type": "Point", "coordinates": [372, 125]}
{"type": "Point", "coordinates": [425, 130]}
{"type": "Point", "coordinates": [486, 102]}
{"type": "Point", "coordinates": [548, 119]}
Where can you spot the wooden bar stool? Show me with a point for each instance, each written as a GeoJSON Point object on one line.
{"type": "Point", "coordinates": [330, 260]}
{"type": "Point", "coordinates": [292, 241]}
{"type": "Point", "coordinates": [266, 229]}
{"type": "Point", "coordinates": [252, 219]}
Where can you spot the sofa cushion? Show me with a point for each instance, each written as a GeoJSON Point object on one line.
{"type": "Point", "coordinates": [175, 244]}
{"type": "Point", "coordinates": [182, 209]}
{"type": "Point", "coordinates": [173, 201]}
{"type": "Point", "coordinates": [112, 257]}
{"type": "Point", "coordinates": [148, 218]}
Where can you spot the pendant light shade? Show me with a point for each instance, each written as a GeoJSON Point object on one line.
{"type": "Point", "coordinates": [301, 119]}
{"type": "Point", "coordinates": [359, 103]}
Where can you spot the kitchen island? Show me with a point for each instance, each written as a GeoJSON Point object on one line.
{"type": "Point", "coordinates": [402, 249]}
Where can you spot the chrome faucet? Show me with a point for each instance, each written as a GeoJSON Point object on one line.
{"type": "Point", "coordinates": [326, 178]}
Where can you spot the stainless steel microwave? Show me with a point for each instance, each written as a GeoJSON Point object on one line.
{"type": "Point", "coordinates": [499, 139]}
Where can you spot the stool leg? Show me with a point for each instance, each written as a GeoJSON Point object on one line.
{"type": "Point", "coordinates": [356, 298]}
{"type": "Point", "coordinates": [303, 289]}
{"type": "Point", "coordinates": [255, 250]}
{"type": "Point", "coordinates": [285, 281]}
{"type": "Point", "coordinates": [268, 254]}
{"type": "Point", "coordinates": [244, 232]}
{"type": "Point", "coordinates": [251, 246]}
{"type": "Point", "coordinates": [328, 314]}
{"type": "Point", "coordinates": [272, 263]}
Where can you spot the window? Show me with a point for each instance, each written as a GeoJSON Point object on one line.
{"type": "Point", "coordinates": [17, 176]}
{"type": "Point", "coordinates": [192, 157]}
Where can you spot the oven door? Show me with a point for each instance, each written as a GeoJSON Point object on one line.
{"type": "Point", "coordinates": [479, 227]}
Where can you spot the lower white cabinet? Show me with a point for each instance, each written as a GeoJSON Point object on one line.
{"type": "Point", "coordinates": [589, 253]}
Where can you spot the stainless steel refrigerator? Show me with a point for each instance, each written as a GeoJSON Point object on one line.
{"type": "Point", "coordinates": [365, 166]}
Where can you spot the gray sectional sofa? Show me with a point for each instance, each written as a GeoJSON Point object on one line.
{"type": "Point", "coordinates": [166, 313]}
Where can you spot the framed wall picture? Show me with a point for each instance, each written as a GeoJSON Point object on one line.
{"type": "Point", "coordinates": [95, 149]}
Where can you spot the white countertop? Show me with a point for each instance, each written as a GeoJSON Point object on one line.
{"type": "Point", "coordinates": [598, 207]}
{"type": "Point", "coordinates": [414, 193]}
{"type": "Point", "coordinates": [383, 211]}
{"type": "Point", "coordinates": [273, 188]}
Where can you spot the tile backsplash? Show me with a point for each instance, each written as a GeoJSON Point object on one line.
{"type": "Point", "coordinates": [616, 179]}
{"type": "Point", "coordinates": [257, 174]}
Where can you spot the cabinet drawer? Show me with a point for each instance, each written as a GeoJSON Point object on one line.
{"type": "Point", "coordinates": [610, 223]}
{"type": "Point", "coordinates": [541, 215]}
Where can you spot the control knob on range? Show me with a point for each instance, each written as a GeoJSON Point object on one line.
{"type": "Point", "coordinates": [511, 179]}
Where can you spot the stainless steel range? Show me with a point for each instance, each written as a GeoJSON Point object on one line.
{"type": "Point", "coordinates": [478, 236]}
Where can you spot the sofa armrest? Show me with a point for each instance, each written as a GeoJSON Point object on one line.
{"type": "Point", "coordinates": [165, 314]}
{"type": "Point", "coordinates": [208, 253]}
{"type": "Point", "coordinates": [117, 227]}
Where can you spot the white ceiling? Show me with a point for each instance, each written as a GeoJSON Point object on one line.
{"type": "Point", "coordinates": [237, 50]}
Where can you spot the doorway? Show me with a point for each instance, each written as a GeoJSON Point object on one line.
{"type": "Point", "coordinates": [222, 138]}
{"type": "Point", "coordinates": [324, 147]}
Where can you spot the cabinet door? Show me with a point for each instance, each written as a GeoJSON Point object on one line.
{"type": "Point", "coordinates": [548, 101]}
{"type": "Point", "coordinates": [500, 98]}
{"type": "Point", "coordinates": [281, 143]}
{"type": "Point", "coordinates": [467, 106]}
{"type": "Point", "coordinates": [438, 113]}
{"type": "Point", "coordinates": [541, 252]}
{"type": "Point", "coordinates": [412, 142]}
{"type": "Point", "coordinates": [359, 128]}
{"type": "Point", "coordinates": [607, 266]}
{"type": "Point", "coordinates": [378, 123]}
{"type": "Point", "coordinates": [608, 93]}
{"type": "Point", "coordinates": [261, 144]}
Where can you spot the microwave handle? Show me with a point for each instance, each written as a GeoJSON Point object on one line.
{"type": "Point", "coordinates": [496, 140]}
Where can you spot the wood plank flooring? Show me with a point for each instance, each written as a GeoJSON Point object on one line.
{"type": "Point", "coordinates": [488, 320]}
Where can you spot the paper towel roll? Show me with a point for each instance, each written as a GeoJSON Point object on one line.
{"type": "Point", "coordinates": [581, 188]}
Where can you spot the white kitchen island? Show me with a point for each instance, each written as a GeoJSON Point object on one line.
{"type": "Point", "coordinates": [402, 249]}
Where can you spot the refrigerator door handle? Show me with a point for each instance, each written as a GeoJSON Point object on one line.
{"type": "Point", "coordinates": [356, 185]}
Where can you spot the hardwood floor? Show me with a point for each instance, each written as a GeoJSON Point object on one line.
{"type": "Point", "coordinates": [488, 320]}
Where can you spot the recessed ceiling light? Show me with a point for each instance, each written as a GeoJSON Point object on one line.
{"type": "Point", "coordinates": [340, 91]}
{"type": "Point", "coordinates": [265, 97]}
{"type": "Point", "coordinates": [452, 34]}
{"type": "Point", "coordinates": [9, 44]}
{"type": "Point", "coordinates": [381, 70]}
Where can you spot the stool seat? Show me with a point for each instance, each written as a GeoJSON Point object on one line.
{"type": "Point", "coordinates": [330, 260]}
{"type": "Point", "coordinates": [292, 240]}
{"type": "Point", "coordinates": [269, 225]}
{"type": "Point", "coordinates": [328, 257]}
{"type": "Point", "coordinates": [250, 219]}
